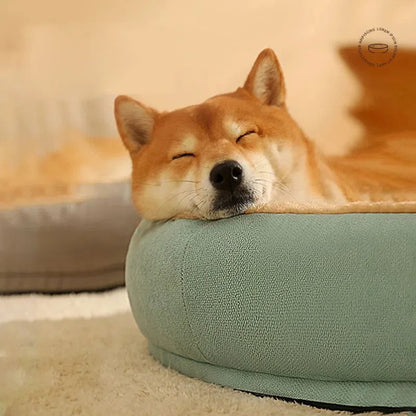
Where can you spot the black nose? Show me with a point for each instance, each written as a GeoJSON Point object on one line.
{"type": "Point", "coordinates": [226, 176]}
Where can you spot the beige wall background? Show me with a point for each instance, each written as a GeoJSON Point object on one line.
{"type": "Point", "coordinates": [62, 63]}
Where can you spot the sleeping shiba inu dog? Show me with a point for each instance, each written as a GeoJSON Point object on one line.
{"type": "Point", "coordinates": [242, 152]}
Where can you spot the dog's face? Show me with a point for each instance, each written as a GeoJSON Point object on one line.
{"type": "Point", "coordinates": [213, 160]}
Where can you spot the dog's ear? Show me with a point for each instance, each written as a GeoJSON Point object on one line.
{"type": "Point", "coordinates": [134, 122]}
{"type": "Point", "coordinates": [265, 80]}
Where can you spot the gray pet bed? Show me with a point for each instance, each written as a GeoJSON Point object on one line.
{"type": "Point", "coordinates": [67, 246]}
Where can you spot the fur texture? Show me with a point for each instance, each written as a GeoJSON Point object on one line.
{"type": "Point", "coordinates": [174, 154]}
{"type": "Point", "coordinates": [56, 176]}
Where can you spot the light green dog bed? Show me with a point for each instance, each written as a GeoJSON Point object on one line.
{"type": "Point", "coordinates": [313, 307]}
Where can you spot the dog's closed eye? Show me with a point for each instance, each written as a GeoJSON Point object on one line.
{"type": "Point", "coordinates": [244, 135]}
{"type": "Point", "coordinates": [178, 156]}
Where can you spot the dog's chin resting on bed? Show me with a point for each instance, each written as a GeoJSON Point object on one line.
{"type": "Point", "coordinates": [242, 152]}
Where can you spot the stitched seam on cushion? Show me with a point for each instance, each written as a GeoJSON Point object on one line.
{"type": "Point", "coordinates": [195, 341]}
{"type": "Point", "coordinates": [323, 380]}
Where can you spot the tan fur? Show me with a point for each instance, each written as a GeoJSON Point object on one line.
{"type": "Point", "coordinates": [55, 176]}
{"type": "Point", "coordinates": [384, 169]}
{"type": "Point", "coordinates": [281, 166]}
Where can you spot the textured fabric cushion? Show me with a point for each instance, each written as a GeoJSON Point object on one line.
{"type": "Point", "coordinates": [315, 307]}
{"type": "Point", "coordinates": [70, 245]}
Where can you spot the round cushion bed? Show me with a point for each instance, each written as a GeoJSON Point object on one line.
{"type": "Point", "coordinates": [312, 307]}
{"type": "Point", "coordinates": [69, 245]}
